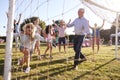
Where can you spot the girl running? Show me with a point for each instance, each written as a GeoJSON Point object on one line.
{"type": "Point", "coordinates": [38, 30]}
{"type": "Point", "coordinates": [27, 43]}
{"type": "Point", "coordinates": [48, 35]}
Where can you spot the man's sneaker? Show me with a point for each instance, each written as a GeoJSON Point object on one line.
{"type": "Point", "coordinates": [27, 70]}
{"type": "Point", "coordinates": [75, 67]}
{"type": "Point", "coordinates": [84, 59]}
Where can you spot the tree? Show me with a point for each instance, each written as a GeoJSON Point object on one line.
{"type": "Point", "coordinates": [31, 19]}
{"type": "Point", "coordinates": [106, 33]}
{"type": "Point", "coordinates": [23, 23]}
{"type": "Point", "coordinates": [42, 24]}
{"type": "Point", "coordinates": [114, 26]}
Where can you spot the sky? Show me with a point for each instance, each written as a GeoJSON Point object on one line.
{"type": "Point", "coordinates": [3, 18]}
{"type": "Point", "coordinates": [48, 10]}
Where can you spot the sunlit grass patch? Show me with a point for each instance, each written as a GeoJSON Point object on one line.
{"type": "Point", "coordinates": [99, 66]}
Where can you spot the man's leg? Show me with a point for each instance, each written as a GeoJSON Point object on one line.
{"type": "Point", "coordinates": [77, 48]}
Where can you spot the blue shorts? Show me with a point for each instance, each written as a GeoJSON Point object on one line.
{"type": "Point", "coordinates": [62, 40]}
{"type": "Point", "coordinates": [21, 47]}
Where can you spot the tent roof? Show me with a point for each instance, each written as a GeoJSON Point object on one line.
{"type": "Point", "coordinates": [112, 35]}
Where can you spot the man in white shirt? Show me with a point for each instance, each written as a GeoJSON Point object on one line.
{"type": "Point", "coordinates": [81, 28]}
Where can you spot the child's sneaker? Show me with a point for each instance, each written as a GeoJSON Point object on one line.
{"type": "Point", "coordinates": [39, 57]}
{"type": "Point", "coordinates": [51, 57]}
{"type": "Point", "coordinates": [27, 70]}
{"type": "Point", "coordinates": [44, 56]}
{"type": "Point", "coordinates": [18, 63]}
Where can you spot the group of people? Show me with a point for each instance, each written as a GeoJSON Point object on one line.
{"type": "Point", "coordinates": [30, 38]}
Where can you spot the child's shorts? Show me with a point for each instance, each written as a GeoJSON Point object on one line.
{"type": "Point", "coordinates": [22, 47]}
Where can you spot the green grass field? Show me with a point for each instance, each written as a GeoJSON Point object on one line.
{"type": "Point", "coordinates": [101, 66]}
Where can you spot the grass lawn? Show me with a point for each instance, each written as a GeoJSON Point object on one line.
{"type": "Point", "coordinates": [101, 66]}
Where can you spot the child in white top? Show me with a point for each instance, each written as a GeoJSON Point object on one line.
{"type": "Point", "coordinates": [27, 43]}
{"type": "Point", "coordinates": [38, 30]}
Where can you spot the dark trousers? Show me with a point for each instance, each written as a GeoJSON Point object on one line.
{"type": "Point", "coordinates": [78, 40]}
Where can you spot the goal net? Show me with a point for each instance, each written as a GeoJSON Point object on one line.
{"type": "Point", "coordinates": [108, 10]}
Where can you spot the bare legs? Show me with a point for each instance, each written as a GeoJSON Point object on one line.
{"type": "Point", "coordinates": [49, 46]}
{"type": "Point", "coordinates": [26, 58]}
{"type": "Point", "coordinates": [95, 40]}
{"type": "Point", "coordinates": [37, 44]}
{"type": "Point", "coordinates": [62, 40]}
{"type": "Point", "coordinates": [63, 46]}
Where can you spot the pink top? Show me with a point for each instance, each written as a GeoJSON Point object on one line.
{"type": "Point", "coordinates": [49, 38]}
{"type": "Point", "coordinates": [62, 31]}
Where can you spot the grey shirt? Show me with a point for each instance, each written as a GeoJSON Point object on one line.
{"type": "Point", "coordinates": [81, 26]}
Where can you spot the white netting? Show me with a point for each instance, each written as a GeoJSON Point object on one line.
{"type": "Point", "coordinates": [28, 9]}
{"type": "Point", "coordinates": [102, 8]}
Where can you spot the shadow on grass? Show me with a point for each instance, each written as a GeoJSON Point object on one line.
{"type": "Point", "coordinates": [52, 62]}
{"type": "Point", "coordinates": [40, 75]}
{"type": "Point", "coordinates": [1, 67]}
{"type": "Point", "coordinates": [57, 71]}
{"type": "Point", "coordinates": [2, 46]}
{"type": "Point", "coordinates": [89, 72]}
{"type": "Point", "coordinates": [14, 62]}
{"type": "Point", "coordinates": [2, 53]}
{"type": "Point", "coordinates": [53, 71]}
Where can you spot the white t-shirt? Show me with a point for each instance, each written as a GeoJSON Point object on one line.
{"type": "Point", "coordinates": [26, 42]}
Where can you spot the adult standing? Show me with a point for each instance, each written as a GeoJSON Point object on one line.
{"type": "Point", "coordinates": [81, 28]}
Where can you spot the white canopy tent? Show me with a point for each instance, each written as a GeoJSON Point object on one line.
{"type": "Point", "coordinates": [113, 35]}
